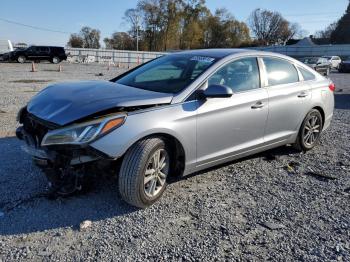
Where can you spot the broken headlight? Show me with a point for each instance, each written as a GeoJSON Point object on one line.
{"type": "Point", "coordinates": [82, 133]}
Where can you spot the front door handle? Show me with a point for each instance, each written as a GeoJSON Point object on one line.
{"type": "Point", "coordinates": [302, 94]}
{"type": "Point", "coordinates": [258, 105]}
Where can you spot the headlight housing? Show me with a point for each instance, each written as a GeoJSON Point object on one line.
{"type": "Point", "coordinates": [83, 133]}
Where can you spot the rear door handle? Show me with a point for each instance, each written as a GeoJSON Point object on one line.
{"type": "Point", "coordinates": [258, 105]}
{"type": "Point", "coordinates": [302, 94]}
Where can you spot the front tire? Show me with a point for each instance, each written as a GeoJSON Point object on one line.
{"type": "Point", "coordinates": [143, 173]}
{"type": "Point", "coordinates": [310, 131]}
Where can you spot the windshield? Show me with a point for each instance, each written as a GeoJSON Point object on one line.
{"type": "Point", "coordinates": [168, 74]}
{"type": "Point", "coordinates": [310, 60]}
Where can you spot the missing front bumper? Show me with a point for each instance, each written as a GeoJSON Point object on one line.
{"type": "Point", "coordinates": [60, 156]}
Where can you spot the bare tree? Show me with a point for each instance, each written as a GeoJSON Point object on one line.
{"type": "Point", "coordinates": [133, 17]}
{"type": "Point", "coordinates": [91, 37]}
{"type": "Point", "coordinates": [271, 28]}
{"type": "Point", "coordinates": [327, 32]}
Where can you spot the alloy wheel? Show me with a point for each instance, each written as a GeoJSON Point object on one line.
{"type": "Point", "coordinates": [55, 60]}
{"type": "Point", "coordinates": [21, 59]}
{"type": "Point", "coordinates": [312, 130]}
{"type": "Point", "coordinates": [156, 173]}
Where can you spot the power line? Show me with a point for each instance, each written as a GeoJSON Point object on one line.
{"type": "Point", "coordinates": [314, 14]}
{"type": "Point", "coordinates": [34, 27]}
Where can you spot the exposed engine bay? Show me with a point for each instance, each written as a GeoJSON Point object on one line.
{"type": "Point", "coordinates": [67, 167]}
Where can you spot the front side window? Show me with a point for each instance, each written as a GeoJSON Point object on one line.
{"type": "Point", "coordinates": [280, 71]}
{"type": "Point", "coordinates": [168, 74]}
{"type": "Point", "coordinates": [240, 75]}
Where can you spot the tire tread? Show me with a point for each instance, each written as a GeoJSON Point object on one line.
{"type": "Point", "coordinates": [131, 167]}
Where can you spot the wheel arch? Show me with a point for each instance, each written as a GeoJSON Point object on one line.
{"type": "Point", "coordinates": [177, 150]}
{"type": "Point", "coordinates": [320, 109]}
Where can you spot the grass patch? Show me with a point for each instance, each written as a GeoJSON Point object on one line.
{"type": "Point", "coordinates": [30, 81]}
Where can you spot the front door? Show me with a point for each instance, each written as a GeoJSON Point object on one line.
{"type": "Point", "coordinates": [230, 126]}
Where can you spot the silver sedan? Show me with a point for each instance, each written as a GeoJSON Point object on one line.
{"type": "Point", "coordinates": [178, 114]}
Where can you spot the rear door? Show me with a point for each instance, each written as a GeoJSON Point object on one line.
{"type": "Point", "coordinates": [230, 126]}
{"type": "Point", "coordinates": [43, 53]}
{"type": "Point", "coordinates": [289, 99]}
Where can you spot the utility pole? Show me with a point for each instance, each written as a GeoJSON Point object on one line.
{"type": "Point", "coordinates": [137, 32]}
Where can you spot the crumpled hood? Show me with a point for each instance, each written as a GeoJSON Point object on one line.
{"type": "Point", "coordinates": [64, 103]}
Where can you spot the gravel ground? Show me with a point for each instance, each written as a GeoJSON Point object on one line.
{"type": "Point", "coordinates": [280, 205]}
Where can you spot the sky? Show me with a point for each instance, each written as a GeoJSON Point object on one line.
{"type": "Point", "coordinates": [68, 16]}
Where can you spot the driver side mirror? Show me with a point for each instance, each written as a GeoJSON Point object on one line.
{"type": "Point", "coordinates": [216, 91]}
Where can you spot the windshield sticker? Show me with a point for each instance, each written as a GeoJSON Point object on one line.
{"type": "Point", "coordinates": [203, 59]}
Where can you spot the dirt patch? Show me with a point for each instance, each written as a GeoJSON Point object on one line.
{"type": "Point", "coordinates": [30, 81]}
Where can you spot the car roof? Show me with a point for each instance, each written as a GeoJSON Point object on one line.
{"type": "Point", "coordinates": [46, 46]}
{"type": "Point", "coordinates": [222, 52]}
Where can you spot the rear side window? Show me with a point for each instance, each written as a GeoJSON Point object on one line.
{"type": "Point", "coordinates": [307, 75]}
{"type": "Point", "coordinates": [280, 71]}
{"type": "Point", "coordinates": [44, 49]}
{"type": "Point", "coordinates": [57, 49]}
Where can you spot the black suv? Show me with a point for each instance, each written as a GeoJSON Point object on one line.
{"type": "Point", "coordinates": [53, 54]}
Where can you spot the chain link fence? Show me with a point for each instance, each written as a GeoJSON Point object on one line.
{"type": "Point", "coordinates": [120, 58]}
{"type": "Point", "coordinates": [305, 51]}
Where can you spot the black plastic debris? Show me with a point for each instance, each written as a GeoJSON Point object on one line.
{"type": "Point", "coordinates": [273, 226]}
{"type": "Point", "coordinates": [270, 157]}
{"type": "Point", "coordinates": [321, 176]}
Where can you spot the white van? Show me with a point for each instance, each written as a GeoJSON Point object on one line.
{"type": "Point", "coordinates": [5, 46]}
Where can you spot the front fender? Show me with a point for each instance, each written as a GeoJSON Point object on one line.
{"type": "Point", "coordinates": [178, 121]}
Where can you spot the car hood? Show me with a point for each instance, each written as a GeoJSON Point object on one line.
{"type": "Point", "coordinates": [65, 103]}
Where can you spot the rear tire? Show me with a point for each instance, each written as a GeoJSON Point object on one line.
{"type": "Point", "coordinates": [21, 59]}
{"type": "Point", "coordinates": [55, 60]}
{"type": "Point", "coordinates": [142, 180]}
{"type": "Point", "coordinates": [327, 72]}
{"type": "Point", "coordinates": [310, 131]}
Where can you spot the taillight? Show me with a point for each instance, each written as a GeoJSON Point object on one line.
{"type": "Point", "coordinates": [332, 87]}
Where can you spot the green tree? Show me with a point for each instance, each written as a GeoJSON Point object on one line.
{"type": "Point", "coordinates": [193, 23]}
{"type": "Point", "coordinates": [341, 33]}
{"type": "Point", "coordinates": [75, 40]}
{"type": "Point", "coordinates": [87, 38]}
{"type": "Point", "coordinates": [223, 30]}
{"type": "Point", "coordinates": [119, 41]}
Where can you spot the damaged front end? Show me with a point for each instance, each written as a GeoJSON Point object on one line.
{"type": "Point", "coordinates": [63, 153]}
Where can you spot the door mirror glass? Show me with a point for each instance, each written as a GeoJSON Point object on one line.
{"type": "Point", "coordinates": [217, 91]}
